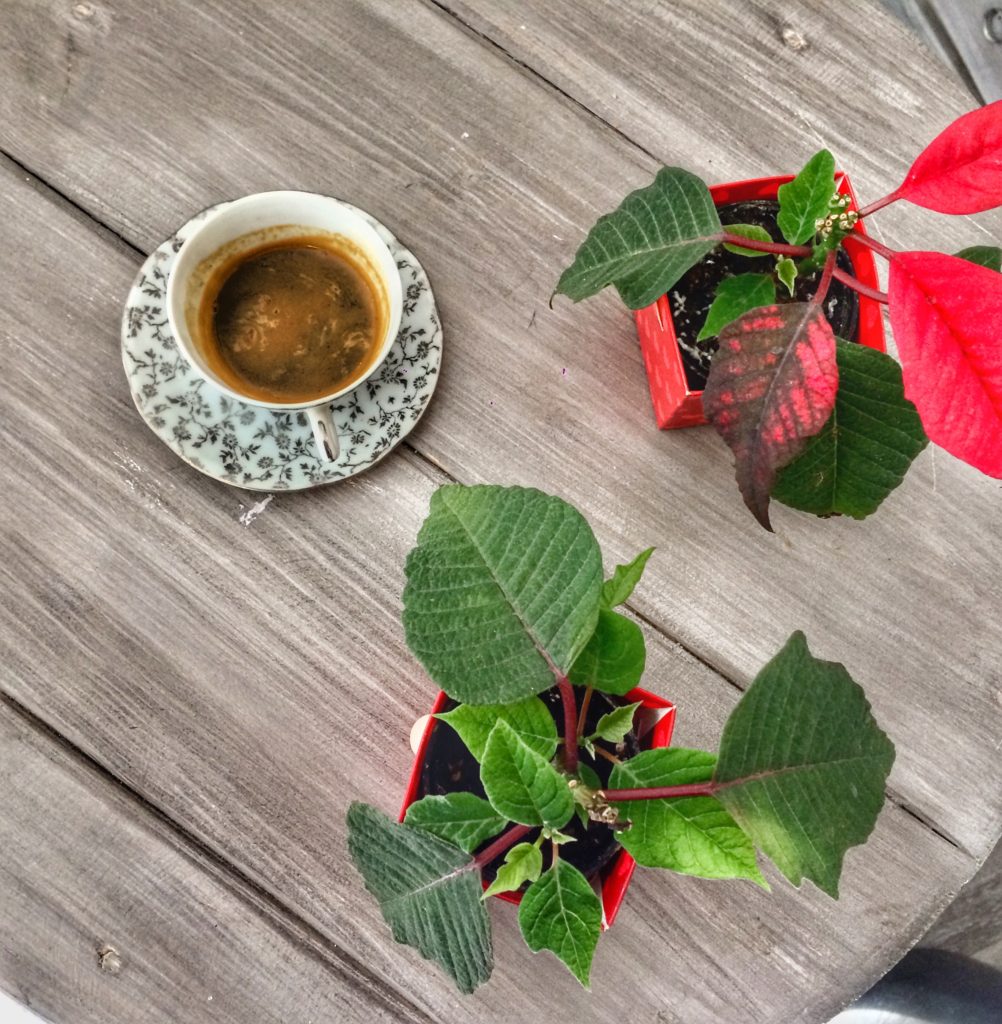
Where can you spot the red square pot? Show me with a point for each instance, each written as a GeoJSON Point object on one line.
{"type": "Point", "coordinates": [616, 877]}
{"type": "Point", "coordinates": [674, 404]}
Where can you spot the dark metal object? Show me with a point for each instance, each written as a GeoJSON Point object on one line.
{"type": "Point", "coordinates": [965, 33]}
{"type": "Point", "coordinates": [931, 986]}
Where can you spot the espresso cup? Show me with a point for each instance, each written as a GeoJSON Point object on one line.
{"type": "Point", "coordinates": [242, 225]}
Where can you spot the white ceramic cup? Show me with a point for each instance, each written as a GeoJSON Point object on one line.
{"type": "Point", "coordinates": [269, 216]}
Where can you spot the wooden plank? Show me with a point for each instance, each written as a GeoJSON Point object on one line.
{"type": "Point", "coordinates": [202, 671]}
{"type": "Point", "coordinates": [194, 658]}
{"type": "Point", "coordinates": [493, 178]}
{"type": "Point", "coordinates": [105, 916]}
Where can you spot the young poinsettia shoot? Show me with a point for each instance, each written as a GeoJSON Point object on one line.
{"type": "Point", "coordinates": [505, 606]}
{"type": "Point", "coordinates": [814, 421]}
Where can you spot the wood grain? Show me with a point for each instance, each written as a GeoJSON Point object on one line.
{"type": "Point", "coordinates": [192, 657]}
{"type": "Point", "coordinates": [250, 681]}
{"type": "Point", "coordinates": [559, 398]}
{"type": "Point", "coordinates": [103, 917]}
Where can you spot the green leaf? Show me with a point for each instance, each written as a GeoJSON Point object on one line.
{"type": "Point", "coordinates": [530, 718]}
{"type": "Point", "coordinates": [613, 661]}
{"type": "Point", "coordinates": [805, 199]}
{"type": "Point", "coordinates": [614, 725]}
{"type": "Point", "coordinates": [502, 589]}
{"type": "Point", "coordinates": [693, 835]}
{"type": "Point", "coordinates": [989, 256]}
{"type": "Point", "coordinates": [520, 784]}
{"type": "Point", "coordinates": [648, 243]}
{"type": "Point", "coordinates": [524, 863]}
{"type": "Point", "coordinates": [463, 819]}
{"type": "Point", "coordinates": [786, 271]}
{"type": "Point", "coordinates": [617, 589]}
{"type": "Point", "coordinates": [585, 793]}
{"type": "Point", "coordinates": [428, 891]}
{"type": "Point", "coordinates": [557, 837]}
{"type": "Point", "coordinates": [736, 296]}
{"type": "Point", "coordinates": [759, 234]}
{"type": "Point", "coordinates": [865, 448]}
{"type": "Point", "coordinates": [802, 765]}
{"type": "Point", "coordinates": [561, 913]}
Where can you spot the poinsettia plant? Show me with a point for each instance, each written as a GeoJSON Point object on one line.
{"type": "Point", "coordinates": [505, 602]}
{"type": "Point", "coordinates": [818, 423]}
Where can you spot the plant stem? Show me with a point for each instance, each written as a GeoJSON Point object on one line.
{"type": "Point", "coordinates": [582, 714]}
{"type": "Point", "coordinates": [609, 757]}
{"type": "Point", "coordinates": [660, 792]}
{"type": "Point", "coordinates": [502, 843]}
{"type": "Point", "coordinates": [857, 286]}
{"type": "Point", "coordinates": [878, 205]}
{"type": "Point", "coordinates": [872, 243]}
{"type": "Point", "coordinates": [780, 248]}
{"type": "Point", "coordinates": [570, 723]}
{"type": "Point", "coordinates": [826, 279]}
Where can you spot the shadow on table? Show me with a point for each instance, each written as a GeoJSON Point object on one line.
{"type": "Point", "coordinates": [931, 986]}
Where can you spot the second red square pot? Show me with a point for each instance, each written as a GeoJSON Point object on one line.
{"type": "Point", "coordinates": [614, 879]}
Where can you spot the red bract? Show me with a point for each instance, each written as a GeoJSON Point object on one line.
{"type": "Point", "coordinates": [771, 387]}
{"type": "Point", "coordinates": [946, 315]}
{"type": "Point", "coordinates": [960, 171]}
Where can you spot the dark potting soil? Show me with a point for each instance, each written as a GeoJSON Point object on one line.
{"type": "Point", "coordinates": [692, 295]}
{"type": "Point", "coordinates": [449, 767]}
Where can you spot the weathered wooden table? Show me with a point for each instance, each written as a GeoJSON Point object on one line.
{"type": "Point", "coordinates": [191, 698]}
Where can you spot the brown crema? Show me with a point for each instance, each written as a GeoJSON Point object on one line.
{"type": "Point", "coordinates": [291, 320]}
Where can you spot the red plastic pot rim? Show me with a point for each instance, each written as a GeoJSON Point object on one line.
{"type": "Point", "coordinates": [675, 405]}
{"type": "Point", "coordinates": [616, 877]}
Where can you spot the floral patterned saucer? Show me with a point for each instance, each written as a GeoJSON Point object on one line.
{"type": "Point", "coordinates": [256, 448]}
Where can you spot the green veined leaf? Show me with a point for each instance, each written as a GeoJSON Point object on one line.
{"type": "Point", "coordinates": [786, 271]}
{"type": "Point", "coordinates": [989, 256]}
{"type": "Point", "coordinates": [753, 231]}
{"type": "Point", "coordinates": [463, 819]}
{"type": "Point", "coordinates": [648, 243]}
{"type": "Point", "coordinates": [805, 199]}
{"type": "Point", "coordinates": [561, 913]}
{"type": "Point", "coordinates": [504, 585]}
{"type": "Point", "coordinates": [612, 726]}
{"type": "Point", "coordinates": [428, 891]}
{"type": "Point", "coordinates": [865, 448]}
{"type": "Point", "coordinates": [520, 784]}
{"type": "Point", "coordinates": [524, 863]}
{"type": "Point", "coordinates": [736, 296]}
{"type": "Point", "coordinates": [693, 835]}
{"type": "Point", "coordinates": [803, 764]}
{"type": "Point", "coordinates": [613, 660]}
{"type": "Point", "coordinates": [530, 718]}
{"type": "Point", "coordinates": [620, 585]}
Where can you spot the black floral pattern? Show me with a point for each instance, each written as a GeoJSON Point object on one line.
{"type": "Point", "coordinates": [273, 451]}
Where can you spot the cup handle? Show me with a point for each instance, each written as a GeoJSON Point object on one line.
{"type": "Point", "coordinates": [324, 432]}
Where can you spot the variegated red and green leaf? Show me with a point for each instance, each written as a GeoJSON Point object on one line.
{"type": "Point", "coordinates": [946, 314]}
{"type": "Point", "coordinates": [960, 171]}
{"type": "Point", "coordinates": [771, 387]}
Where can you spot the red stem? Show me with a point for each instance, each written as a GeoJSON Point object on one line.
{"type": "Point", "coordinates": [570, 723]}
{"type": "Point", "coordinates": [660, 792]}
{"type": "Point", "coordinates": [872, 243]}
{"type": "Point", "coordinates": [879, 204]}
{"type": "Point", "coordinates": [858, 286]}
{"type": "Point", "coordinates": [826, 279]}
{"type": "Point", "coordinates": [583, 713]}
{"type": "Point", "coordinates": [502, 843]}
{"type": "Point", "coordinates": [776, 247]}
